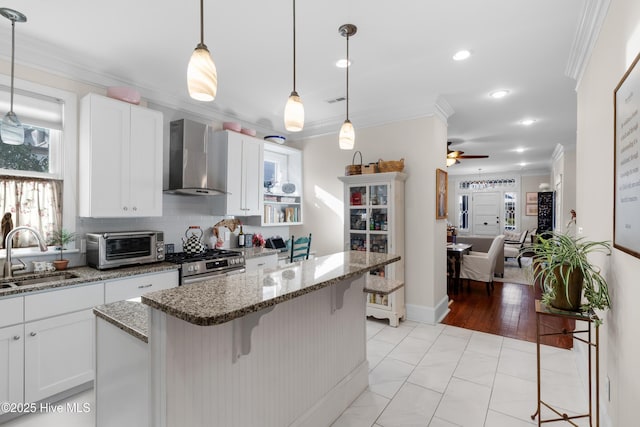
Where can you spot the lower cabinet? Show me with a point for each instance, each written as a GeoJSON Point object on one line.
{"type": "Point", "coordinates": [11, 364]}
{"type": "Point", "coordinates": [58, 354]}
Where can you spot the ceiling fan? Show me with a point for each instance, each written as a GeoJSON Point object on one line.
{"type": "Point", "coordinates": [453, 156]}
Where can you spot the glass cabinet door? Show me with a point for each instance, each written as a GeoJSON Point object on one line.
{"type": "Point", "coordinates": [378, 194]}
{"type": "Point", "coordinates": [358, 196]}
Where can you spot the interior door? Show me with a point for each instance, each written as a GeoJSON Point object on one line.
{"type": "Point", "coordinates": [486, 214]}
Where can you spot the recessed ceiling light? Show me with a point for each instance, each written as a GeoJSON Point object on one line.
{"type": "Point", "coordinates": [527, 122]}
{"type": "Point", "coordinates": [497, 94]}
{"type": "Point", "coordinates": [523, 164]}
{"type": "Point", "coordinates": [461, 55]}
{"type": "Point", "coordinates": [343, 63]}
{"type": "Point", "coordinates": [519, 150]}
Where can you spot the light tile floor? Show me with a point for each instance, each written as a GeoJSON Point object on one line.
{"type": "Point", "coordinates": [444, 376]}
{"type": "Point", "coordinates": [436, 376]}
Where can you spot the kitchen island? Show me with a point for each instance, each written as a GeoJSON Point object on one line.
{"type": "Point", "coordinates": [273, 347]}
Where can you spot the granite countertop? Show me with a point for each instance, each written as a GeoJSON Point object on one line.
{"type": "Point", "coordinates": [381, 285]}
{"type": "Point", "coordinates": [84, 275]}
{"type": "Point", "coordinates": [222, 299]}
{"type": "Point", "coordinates": [130, 316]}
{"type": "Point", "coordinates": [257, 251]}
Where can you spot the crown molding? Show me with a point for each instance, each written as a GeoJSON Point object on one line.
{"type": "Point", "coordinates": [593, 14]}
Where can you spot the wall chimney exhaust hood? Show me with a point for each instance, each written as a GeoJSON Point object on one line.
{"type": "Point", "coordinates": [190, 159]}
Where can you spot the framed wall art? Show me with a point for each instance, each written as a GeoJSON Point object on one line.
{"type": "Point", "coordinates": [626, 165]}
{"type": "Point", "coordinates": [532, 198]}
{"type": "Point", "coordinates": [441, 194]}
{"type": "Point", "coordinates": [531, 210]}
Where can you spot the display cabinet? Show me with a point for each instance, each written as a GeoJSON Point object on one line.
{"type": "Point", "coordinates": [374, 222]}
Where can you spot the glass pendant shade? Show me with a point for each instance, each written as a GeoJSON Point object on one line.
{"type": "Point", "coordinates": [294, 113]}
{"type": "Point", "coordinates": [450, 161]}
{"type": "Point", "coordinates": [347, 138]}
{"type": "Point", "coordinates": [11, 130]}
{"type": "Point", "coordinates": [202, 77]}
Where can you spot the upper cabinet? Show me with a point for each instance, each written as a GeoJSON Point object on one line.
{"type": "Point", "coordinates": [238, 162]}
{"type": "Point", "coordinates": [282, 185]}
{"type": "Point", "coordinates": [120, 159]}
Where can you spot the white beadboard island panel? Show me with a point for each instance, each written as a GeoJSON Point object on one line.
{"type": "Point", "coordinates": [300, 361]}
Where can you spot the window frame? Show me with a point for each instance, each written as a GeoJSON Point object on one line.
{"type": "Point", "coordinates": [67, 151]}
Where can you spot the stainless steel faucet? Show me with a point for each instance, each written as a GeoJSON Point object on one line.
{"type": "Point", "coordinates": [8, 243]}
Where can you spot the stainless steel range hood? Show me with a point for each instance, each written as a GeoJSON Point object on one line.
{"type": "Point", "coordinates": [189, 160]}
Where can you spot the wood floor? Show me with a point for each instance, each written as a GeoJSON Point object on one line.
{"type": "Point", "coordinates": [509, 312]}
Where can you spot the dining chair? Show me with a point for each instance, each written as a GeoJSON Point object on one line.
{"type": "Point", "coordinates": [480, 266]}
{"type": "Point", "coordinates": [512, 248]}
{"type": "Point", "coordinates": [300, 248]}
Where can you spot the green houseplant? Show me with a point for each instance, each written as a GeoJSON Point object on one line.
{"type": "Point", "coordinates": [562, 269]}
{"type": "Point", "coordinates": [60, 238]}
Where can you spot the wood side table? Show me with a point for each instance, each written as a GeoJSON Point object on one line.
{"type": "Point", "coordinates": [592, 321]}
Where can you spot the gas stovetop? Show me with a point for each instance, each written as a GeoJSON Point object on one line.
{"type": "Point", "coordinates": [210, 263]}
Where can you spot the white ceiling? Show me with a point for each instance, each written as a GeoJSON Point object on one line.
{"type": "Point", "coordinates": [402, 63]}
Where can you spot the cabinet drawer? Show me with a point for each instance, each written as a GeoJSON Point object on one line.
{"type": "Point", "coordinates": [133, 287]}
{"type": "Point", "coordinates": [63, 301]}
{"type": "Point", "coordinates": [11, 311]}
{"type": "Point", "coordinates": [261, 262]}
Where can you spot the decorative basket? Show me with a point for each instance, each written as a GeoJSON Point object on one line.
{"type": "Point", "coordinates": [391, 165]}
{"type": "Point", "coordinates": [354, 169]}
{"type": "Point", "coordinates": [370, 168]}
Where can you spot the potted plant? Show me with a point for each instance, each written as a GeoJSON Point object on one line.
{"type": "Point", "coordinates": [60, 238]}
{"type": "Point", "coordinates": [563, 271]}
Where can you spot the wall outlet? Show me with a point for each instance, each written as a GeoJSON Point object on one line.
{"type": "Point", "coordinates": [579, 230]}
{"type": "Point", "coordinates": [83, 246]}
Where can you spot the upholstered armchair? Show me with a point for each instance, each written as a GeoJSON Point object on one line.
{"type": "Point", "coordinates": [512, 247]}
{"type": "Point", "coordinates": [480, 266]}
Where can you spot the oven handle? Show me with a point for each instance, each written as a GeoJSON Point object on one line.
{"type": "Point", "coordinates": [203, 277]}
{"type": "Point", "coordinates": [130, 233]}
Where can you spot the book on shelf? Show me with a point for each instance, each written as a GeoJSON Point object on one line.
{"type": "Point", "coordinates": [279, 214]}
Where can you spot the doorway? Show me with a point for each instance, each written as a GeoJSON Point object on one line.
{"type": "Point", "coordinates": [486, 213]}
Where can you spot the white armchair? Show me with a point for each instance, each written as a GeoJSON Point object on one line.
{"type": "Point", "coordinates": [512, 248]}
{"type": "Point", "coordinates": [480, 266]}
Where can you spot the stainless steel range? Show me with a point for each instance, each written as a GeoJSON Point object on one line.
{"type": "Point", "coordinates": [214, 262]}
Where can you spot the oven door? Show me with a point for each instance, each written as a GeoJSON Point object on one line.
{"type": "Point", "coordinates": [128, 248]}
{"type": "Point", "coordinates": [206, 276]}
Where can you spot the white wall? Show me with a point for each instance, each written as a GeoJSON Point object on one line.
{"type": "Point", "coordinates": [617, 45]}
{"type": "Point", "coordinates": [422, 143]}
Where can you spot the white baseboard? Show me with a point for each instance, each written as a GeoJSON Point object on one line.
{"type": "Point", "coordinates": [334, 403]}
{"type": "Point", "coordinates": [431, 315]}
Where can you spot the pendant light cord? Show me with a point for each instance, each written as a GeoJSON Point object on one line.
{"type": "Point", "coordinates": [13, 53]}
{"type": "Point", "coordinates": [348, 65]}
{"type": "Point", "coordinates": [202, 22]}
{"type": "Point", "coordinates": [294, 45]}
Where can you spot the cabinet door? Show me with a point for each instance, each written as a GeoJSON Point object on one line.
{"type": "Point", "coordinates": [235, 179]}
{"type": "Point", "coordinates": [252, 186]}
{"type": "Point", "coordinates": [59, 354]}
{"type": "Point", "coordinates": [104, 180]}
{"type": "Point", "coordinates": [145, 157]}
{"type": "Point", "coordinates": [252, 264]}
{"type": "Point", "coordinates": [11, 364]}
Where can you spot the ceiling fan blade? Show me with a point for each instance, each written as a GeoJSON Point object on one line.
{"type": "Point", "coordinates": [472, 156]}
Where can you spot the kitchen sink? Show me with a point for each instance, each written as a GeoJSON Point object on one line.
{"type": "Point", "coordinates": [32, 279]}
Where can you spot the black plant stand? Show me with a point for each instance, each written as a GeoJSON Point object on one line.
{"type": "Point", "coordinates": [592, 324]}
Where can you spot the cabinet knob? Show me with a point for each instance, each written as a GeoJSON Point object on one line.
{"type": "Point", "coordinates": [145, 286]}
{"type": "Point", "coordinates": [124, 208]}
{"type": "Point", "coordinates": [33, 334]}
{"type": "Point", "coordinates": [135, 209]}
{"type": "Point", "coordinates": [16, 337]}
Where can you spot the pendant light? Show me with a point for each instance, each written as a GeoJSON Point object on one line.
{"type": "Point", "coordinates": [347, 137]}
{"type": "Point", "coordinates": [294, 110]}
{"type": "Point", "coordinates": [11, 130]}
{"type": "Point", "coordinates": [202, 78]}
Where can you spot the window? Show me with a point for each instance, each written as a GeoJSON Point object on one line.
{"type": "Point", "coordinates": [275, 170]}
{"type": "Point", "coordinates": [510, 211]}
{"type": "Point", "coordinates": [463, 215]}
{"type": "Point", "coordinates": [32, 174]}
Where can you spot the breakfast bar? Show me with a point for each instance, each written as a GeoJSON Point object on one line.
{"type": "Point", "coordinates": [272, 347]}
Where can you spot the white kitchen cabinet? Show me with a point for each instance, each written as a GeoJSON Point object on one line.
{"type": "Point", "coordinates": [59, 354]}
{"type": "Point", "coordinates": [135, 286]}
{"type": "Point", "coordinates": [120, 159]}
{"type": "Point", "coordinates": [236, 166]}
{"type": "Point", "coordinates": [264, 261]}
{"type": "Point", "coordinates": [11, 364]}
{"type": "Point", "coordinates": [374, 222]}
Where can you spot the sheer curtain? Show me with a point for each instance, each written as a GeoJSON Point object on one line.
{"type": "Point", "coordinates": [34, 202]}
